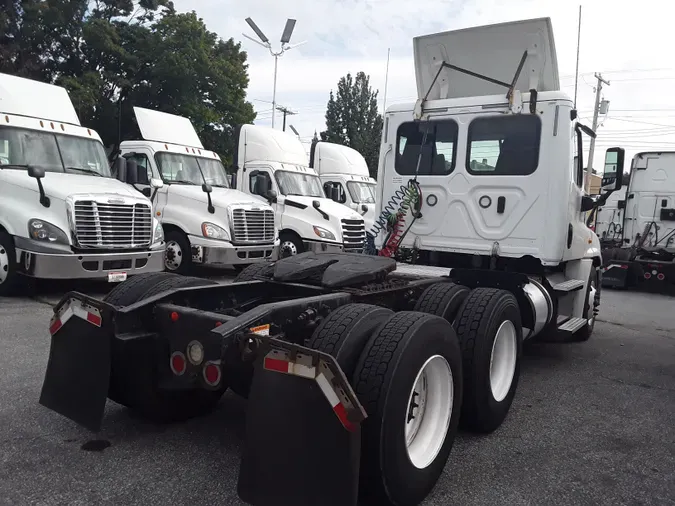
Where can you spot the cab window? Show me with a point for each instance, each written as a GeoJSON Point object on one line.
{"type": "Point", "coordinates": [437, 154]}
{"type": "Point", "coordinates": [504, 145]}
{"type": "Point", "coordinates": [332, 188]}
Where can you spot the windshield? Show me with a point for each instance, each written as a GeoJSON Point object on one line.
{"type": "Point", "coordinates": [361, 193]}
{"type": "Point", "coordinates": [187, 169]}
{"type": "Point", "coordinates": [298, 183]}
{"type": "Point", "coordinates": [52, 152]}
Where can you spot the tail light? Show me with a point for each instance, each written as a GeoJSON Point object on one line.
{"type": "Point", "coordinates": [660, 276]}
{"type": "Point", "coordinates": [212, 374]}
{"type": "Point", "coordinates": [178, 363]}
{"type": "Point", "coordinates": [648, 275]}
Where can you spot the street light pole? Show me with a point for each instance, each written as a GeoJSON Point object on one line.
{"type": "Point", "coordinates": [285, 46]}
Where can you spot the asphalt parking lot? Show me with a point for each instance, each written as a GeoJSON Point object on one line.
{"type": "Point", "coordinates": [592, 423]}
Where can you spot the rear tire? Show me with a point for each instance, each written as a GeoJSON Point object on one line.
{"type": "Point", "coordinates": [442, 299]}
{"type": "Point", "coordinates": [387, 376]}
{"type": "Point", "coordinates": [134, 379]}
{"type": "Point", "coordinates": [491, 338]}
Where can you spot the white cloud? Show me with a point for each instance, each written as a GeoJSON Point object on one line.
{"type": "Point", "coordinates": [623, 41]}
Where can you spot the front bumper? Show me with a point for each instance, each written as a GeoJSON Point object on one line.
{"type": "Point", "coordinates": [322, 247]}
{"type": "Point", "coordinates": [220, 253]}
{"type": "Point", "coordinates": [40, 262]}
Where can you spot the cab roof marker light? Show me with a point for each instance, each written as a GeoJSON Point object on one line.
{"type": "Point", "coordinates": [7, 118]}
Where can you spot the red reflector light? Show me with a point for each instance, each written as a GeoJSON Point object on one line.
{"type": "Point", "coordinates": [648, 275]}
{"type": "Point", "coordinates": [178, 363]}
{"type": "Point", "coordinates": [174, 316]}
{"type": "Point", "coordinates": [211, 374]}
{"type": "Point", "coordinates": [660, 276]}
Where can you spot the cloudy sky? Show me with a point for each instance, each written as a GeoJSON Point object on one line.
{"type": "Point", "coordinates": [631, 44]}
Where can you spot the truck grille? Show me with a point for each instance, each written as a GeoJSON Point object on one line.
{"type": "Point", "coordinates": [354, 235]}
{"type": "Point", "coordinates": [250, 226]}
{"type": "Point", "coordinates": [105, 225]}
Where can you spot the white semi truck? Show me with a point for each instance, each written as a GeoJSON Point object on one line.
{"type": "Point", "coordinates": [345, 177]}
{"type": "Point", "coordinates": [639, 247]}
{"type": "Point", "coordinates": [273, 165]}
{"type": "Point", "coordinates": [358, 370]}
{"type": "Point", "coordinates": [205, 221]}
{"type": "Point", "coordinates": [62, 215]}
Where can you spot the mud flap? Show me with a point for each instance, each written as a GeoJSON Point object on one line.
{"type": "Point", "coordinates": [616, 275]}
{"type": "Point", "coordinates": [300, 449]}
{"type": "Point", "coordinates": [78, 372]}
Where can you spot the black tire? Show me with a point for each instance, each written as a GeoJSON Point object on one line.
{"type": "Point", "coordinates": [345, 332]}
{"type": "Point", "coordinates": [383, 380]}
{"type": "Point", "coordinates": [290, 237]}
{"type": "Point", "coordinates": [130, 291]}
{"type": "Point", "coordinates": [134, 379]}
{"type": "Point", "coordinates": [477, 323]}
{"type": "Point", "coordinates": [177, 244]}
{"type": "Point", "coordinates": [442, 299]}
{"type": "Point", "coordinates": [253, 271]}
{"type": "Point", "coordinates": [9, 277]}
{"type": "Point", "coordinates": [590, 306]}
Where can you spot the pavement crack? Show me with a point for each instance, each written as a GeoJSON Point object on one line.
{"type": "Point", "coordinates": [639, 385]}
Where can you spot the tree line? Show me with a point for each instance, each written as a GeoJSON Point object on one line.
{"type": "Point", "coordinates": [152, 56]}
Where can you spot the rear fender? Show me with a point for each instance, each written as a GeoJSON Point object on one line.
{"type": "Point", "coordinates": [78, 371]}
{"type": "Point", "coordinates": [303, 434]}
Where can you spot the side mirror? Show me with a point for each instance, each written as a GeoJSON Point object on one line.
{"type": "Point", "coordinates": [36, 172]}
{"type": "Point", "coordinates": [206, 188]}
{"type": "Point", "coordinates": [132, 172]}
{"type": "Point", "coordinates": [612, 178]}
{"type": "Point", "coordinates": [316, 204]}
{"type": "Point", "coordinates": [156, 183]}
{"type": "Point", "coordinates": [364, 208]}
{"type": "Point", "coordinates": [271, 195]}
{"type": "Point", "coordinates": [119, 169]}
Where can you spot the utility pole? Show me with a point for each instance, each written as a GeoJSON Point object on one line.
{"type": "Point", "coordinates": [591, 149]}
{"type": "Point", "coordinates": [285, 111]}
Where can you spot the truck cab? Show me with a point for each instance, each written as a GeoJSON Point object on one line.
{"type": "Point", "coordinates": [62, 214]}
{"type": "Point", "coordinates": [205, 221]}
{"type": "Point", "coordinates": [345, 177]}
{"type": "Point", "coordinates": [273, 166]}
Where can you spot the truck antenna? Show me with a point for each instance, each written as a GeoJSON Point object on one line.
{"type": "Point", "coordinates": [576, 76]}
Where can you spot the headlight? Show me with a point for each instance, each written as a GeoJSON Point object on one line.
{"type": "Point", "coordinates": [158, 234]}
{"type": "Point", "coordinates": [44, 231]}
{"type": "Point", "coordinates": [215, 232]}
{"type": "Point", "coordinates": [324, 234]}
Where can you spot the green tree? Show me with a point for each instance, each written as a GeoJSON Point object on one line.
{"type": "Point", "coordinates": [144, 49]}
{"type": "Point", "coordinates": [352, 118]}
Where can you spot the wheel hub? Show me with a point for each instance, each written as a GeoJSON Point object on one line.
{"type": "Point", "coordinates": [4, 264]}
{"type": "Point", "coordinates": [173, 256]}
{"type": "Point", "coordinates": [429, 411]}
{"type": "Point", "coordinates": [287, 249]}
{"type": "Point", "coordinates": [503, 360]}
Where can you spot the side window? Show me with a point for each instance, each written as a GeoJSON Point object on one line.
{"type": "Point", "coordinates": [259, 182]}
{"type": "Point", "coordinates": [334, 190]}
{"type": "Point", "coordinates": [578, 171]}
{"type": "Point", "coordinates": [437, 154]}
{"type": "Point", "coordinates": [142, 160]}
{"type": "Point", "coordinates": [504, 145]}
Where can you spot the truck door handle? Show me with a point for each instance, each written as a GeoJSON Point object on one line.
{"type": "Point", "coordinates": [501, 204]}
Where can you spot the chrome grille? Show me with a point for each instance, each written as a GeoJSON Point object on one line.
{"type": "Point", "coordinates": [353, 235]}
{"type": "Point", "coordinates": [112, 225]}
{"type": "Point", "coordinates": [251, 226]}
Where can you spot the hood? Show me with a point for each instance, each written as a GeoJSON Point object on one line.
{"type": "Point", "coordinates": [60, 185]}
{"type": "Point", "coordinates": [221, 197]}
{"type": "Point", "coordinates": [328, 206]}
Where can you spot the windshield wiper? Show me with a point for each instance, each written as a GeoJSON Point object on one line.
{"type": "Point", "coordinates": [219, 185]}
{"type": "Point", "coordinates": [13, 166]}
{"type": "Point", "coordinates": [183, 181]}
{"type": "Point", "coordinates": [86, 171]}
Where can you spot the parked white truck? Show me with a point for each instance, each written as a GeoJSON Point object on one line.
{"type": "Point", "coordinates": [639, 247]}
{"type": "Point", "coordinates": [345, 177]}
{"type": "Point", "coordinates": [62, 215]}
{"type": "Point", "coordinates": [273, 165]}
{"type": "Point", "coordinates": [205, 221]}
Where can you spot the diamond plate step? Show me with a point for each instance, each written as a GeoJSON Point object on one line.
{"type": "Point", "coordinates": [568, 286]}
{"type": "Point", "coordinates": [572, 325]}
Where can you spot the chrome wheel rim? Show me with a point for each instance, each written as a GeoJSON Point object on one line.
{"type": "Point", "coordinates": [287, 249]}
{"type": "Point", "coordinates": [429, 410]}
{"type": "Point", "coordinates": [503, 360]}
{"type": "Point", "coordinates": [173, 256]}
{"type": "Point", "coordinates": [4, 264]}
